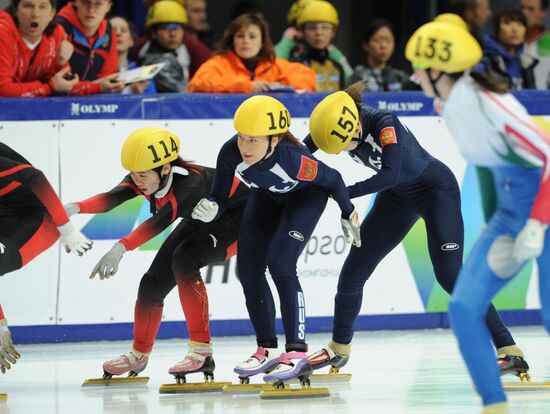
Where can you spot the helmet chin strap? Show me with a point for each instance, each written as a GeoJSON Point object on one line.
{"type": "Point", "coordinates": [434, 81]}
{"type": "Point", "coordinates": [269, 149]}
{"type": "Point", "coordinates": [163, 181]}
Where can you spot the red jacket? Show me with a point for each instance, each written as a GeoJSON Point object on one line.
{"type": "Point", "coordinates": [227, 73]}
{"type": "Point", "coordinates": [93, 57]}
{"type": "Point", "coordinates": [26, 72]}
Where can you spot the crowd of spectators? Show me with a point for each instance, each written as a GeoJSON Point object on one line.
{"type": "Point", "coordinates": [78, 48]}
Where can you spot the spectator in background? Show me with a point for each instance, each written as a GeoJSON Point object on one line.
{"type": "Point", "coordinates": [317, 23]}
{"type": "Point", "coordinates": [125, 40]}
{"type": "Point", "coordinates": [503, 56]}
{"type": "Point", "coordinates": [198, 21]}
{"type": "Point", "coordinates": [378, 45]}
{"type": "Point", "coordinates": [537, 39]}
{"type": "Point", "coordinates": [246, 62]}
{"type": "Point", "coordinates": [168, 41]}
{"type": "Point", "coordinates": [33, 51]}
{"type": "Point", "coordinates": [94, 40]}
{"type": "Point", "coordinates": [475, 13]}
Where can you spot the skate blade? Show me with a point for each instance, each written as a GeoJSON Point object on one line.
{"type": "Point", "coordinates": [316, 378]}
{"type": "Point", "coordinates": [276, 394]}
{"type": "Point", "coordinates": [192, 387]}
{"type": "Point", "coordinates": [526, 386]}
{"type": "Point", "coordinates": [3, 397]}
{"type": "Point", "coordinates": [249, 388]}
{"type": "Point", "coordinates": [107, 382]}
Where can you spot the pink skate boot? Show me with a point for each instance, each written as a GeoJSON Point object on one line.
{"type": "Point", "coordinates": [198, 359]}
{"type": "Point", "coordinates": [132, 362]}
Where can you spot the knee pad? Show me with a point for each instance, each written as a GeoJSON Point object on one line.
{"type": "Point", "coordinates": [501, 259]}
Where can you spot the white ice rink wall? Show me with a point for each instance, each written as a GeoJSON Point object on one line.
{"type": "Point", "coordinates": [76, 142]}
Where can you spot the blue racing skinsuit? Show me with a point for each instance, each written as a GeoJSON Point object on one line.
{"type": "Point", "coordinates": [289, 192]}
{"type": "Point", "coordinates": [495, 131]}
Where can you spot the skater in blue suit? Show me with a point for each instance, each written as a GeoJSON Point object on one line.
{"type": "Point", "coordinates": [411, 184]}
{"type": "Point", "coordinates": [492, 130]}
{"type": "Point", "coordinates": [289, 191]}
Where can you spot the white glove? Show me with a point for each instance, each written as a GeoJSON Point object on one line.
{"type": "Point", "coordinates": [108, 265]}
{"type": "Point", "coordinates": [530, 241]}
{"type": "Point", "coordinates": [73, 240]}
{"type": "Point", "coordinates": [8, 354]}
{"type": "Point", "coordinates": [352, 229]}
{"type": "Point", "coordinates": [205, 210]}
{"type": "Point", "coordinates": [71, 209]}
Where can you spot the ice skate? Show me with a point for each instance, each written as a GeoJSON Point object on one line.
{"type": "Point", "coordinates": [3, 397]}
{"type": "Point", "coordinates": [261, 362]}
{"type": "Point", "coordinates": [198, 360]}
{"type": "Point", "coordinates": [329, 356]}
{"type": "Point", "coordinates": [511, 361]}
{"type": "Point", "coordinates": [292, 365]}
{"type": "Point", "coordinates": [132, 363]}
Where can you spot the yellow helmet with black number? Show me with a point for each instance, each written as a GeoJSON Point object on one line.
{"type": "Point", "coordinates": [166, 11]}
{"type": "Point", "coordinates": [333, 122]}
{"type": "Point", "coordinates": [317, 11]}
{"type": "Point", "coordinates": [148, 148]}
{"type": "Point", "coordinates": [443, 45]}
{"type": "Point", "coordinates": [261, 115]}
{"type": "Point", "coordinates": [451, 18]}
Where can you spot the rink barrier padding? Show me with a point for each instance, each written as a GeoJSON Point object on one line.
{"type": "Point", "coordinates": [123, 331]}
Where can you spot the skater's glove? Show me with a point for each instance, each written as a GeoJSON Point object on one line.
{"type": "Point", "coordinates": [73, 240]}
{"type": "Point", "coordinates": [108, 265]}
{"type": "Point", "coordinates": [205, 210]}
{"type": "Point", "coordinates": [530, 241]}
{"type": "Point", "coordinates": [71, 209]}
{"type": "Point", "coordinates": [352, 228]}
{"type": "Point", "coordinates": [8, 354]}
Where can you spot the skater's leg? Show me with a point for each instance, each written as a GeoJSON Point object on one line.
{"type": "Point", "coordinates": [444, 227]}
{"type": "Point", "coordinates": [300, 215]}
{"type": "Point", "coordinates": [543, 263]}
{"type": "Point", "coordinates": [476, 285]}
{"type": "Point", "coordinates": [258, 224]}
{"type": "Point", "coordinates": [383, 228]}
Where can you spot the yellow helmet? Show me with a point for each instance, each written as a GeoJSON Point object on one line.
{"type": "Point", "coordinates": [166, 11]}
{"type": "Point", "coordinates": [261, 115]}
{"type": "Point", "coordinates": [444, 46]}
{"type": "Point", "coordinates": [148, 148]}
{"type": "Point", "coordinates": [295, 10]}
{"type": "Point", "coordinates": [333, 122]}
{"type": "Point", "coordinates": [317, 11]}
{"type": "Point", "coordinates": [452, 19]}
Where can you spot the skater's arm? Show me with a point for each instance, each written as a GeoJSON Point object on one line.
{"type": "Point", "coordinates": [388, 129]}
{"type": "Point", "coordinates": [224, 180]}
{"type": "Point", "coordinates": [104, 202]}
{"type": "Point", "coordinates": [308, 142]}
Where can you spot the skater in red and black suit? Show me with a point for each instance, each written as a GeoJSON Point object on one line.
{"type": "Point", "coordinates": [32, 218]}
{"type": "Point", "coordinates": [173, 187]}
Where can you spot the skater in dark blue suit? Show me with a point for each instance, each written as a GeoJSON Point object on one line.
{"type": "Point", "coordinates": [289, 191]}
{"type": "Point", "coordinates": [411, 184]}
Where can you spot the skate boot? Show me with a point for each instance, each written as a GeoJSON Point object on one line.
{"type": "Point", "coordinates": [262, 361]}
{"type": "Point", "coordinates": [198, 359]}
{"type": "Point", "coordinates": [292, 365]}
{"type": "Point", "coordinates": [132, 363]}
{"type": "Point", "coordinates": [334, 355]}
{"type": "Point", "coordinates": [511, 361]}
